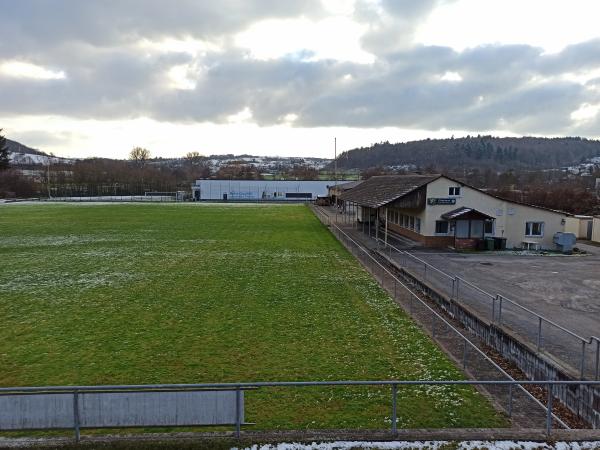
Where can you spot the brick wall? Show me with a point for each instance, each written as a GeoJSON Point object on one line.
{"type": "Point", "coordinates": [428, 241]}
{"type": "Point", "coordinates": [466, 244]}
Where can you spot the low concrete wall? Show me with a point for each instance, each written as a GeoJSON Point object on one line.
{"type": "Point", "coordinates": [582, 400]}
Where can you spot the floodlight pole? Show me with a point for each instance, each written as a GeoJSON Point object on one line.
{"type": "Point", "coordinates": [48, 179]}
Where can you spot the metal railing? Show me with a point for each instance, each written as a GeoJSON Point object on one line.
{"type": "Point", "coordinates": [76, 391]}
{"type": "Point", "coordinates": [463, 351]}
{"type": "Point", "coordinates": [460, 289]}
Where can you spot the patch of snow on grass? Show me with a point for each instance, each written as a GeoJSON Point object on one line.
{"type": "Point", "coordinates": [429, 445]}
{"type": "Point", "coordinates": [527, 445]}
{"type": "Point", "coordinates": [348, 445]}
{"type": "Point", "coordinates": [42, 282]}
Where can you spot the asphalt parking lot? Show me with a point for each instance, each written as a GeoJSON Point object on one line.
{"type": "Point", "coordinates": [564, 289]}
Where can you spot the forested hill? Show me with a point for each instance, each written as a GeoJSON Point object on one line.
{"type": "Point", "coordinates": [479, 151]}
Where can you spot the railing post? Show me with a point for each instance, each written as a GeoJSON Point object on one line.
{"type": "Point", "coordinates": [494, 308]}
{"type": "Point", "coordinates": [453, 280]}
{"type": "Point", "coordinates": [539, 334]}
{"type": "Point", "coordinates": [597, 359]}
{"type": "Point", "coordinates": [238, 412]}
{"type": "Point", "coordinates": [510, 399]}
{"type": "Point", "coordinates": [425, 271]}
{"type": "Point", "coordinates": [457, 285]}
{"type": "Point", "coordinates": [549, 410]}
{"type": "Point", "coordinates": [76, 415]}
{"type": "Point", "coordinates": [464, 354]}
{"type": "Point", "coordinates": [394, 408]}
{"type": "Point", "coordinates": [582, 359]}
{"type": "Point", "coordinates": [499, 309]}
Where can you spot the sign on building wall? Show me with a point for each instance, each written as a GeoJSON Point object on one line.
{"type": "Point", "coordinates": [441, 201]}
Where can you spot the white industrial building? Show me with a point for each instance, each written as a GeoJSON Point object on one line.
{"type": "Point", "coordinates": [259, 190]}
{"type": "Point", "coordinates": [439, 211]}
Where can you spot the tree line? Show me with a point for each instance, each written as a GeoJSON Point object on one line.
{"type": "Point", "coordinates": [527, 153]}
{"type": "Point", "coordinates": [138, 175]}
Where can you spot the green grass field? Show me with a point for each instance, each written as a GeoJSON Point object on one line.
{"type": "Point", "coordinates": [106, 294]}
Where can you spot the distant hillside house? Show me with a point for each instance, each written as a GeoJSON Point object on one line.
{"type": "Point", "coordinates": [440, 212]}
{"type": "Point", "coordinates": [259, 190]}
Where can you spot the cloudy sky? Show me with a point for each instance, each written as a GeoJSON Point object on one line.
{"type": "Point", "coordinates": [97, 77]}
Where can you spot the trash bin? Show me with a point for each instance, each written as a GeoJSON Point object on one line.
{"type": "Point", "coordinates": [480, 244]}
{"type": "Point", "coordinates": [502, 243]}
{"type": "Point", "coordinates": [497, 243]}
{"type": "Point", "coordinates": [489, 244]}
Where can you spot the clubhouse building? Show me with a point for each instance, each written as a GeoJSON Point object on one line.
{"type": "Point", "coordinates": [439, 211]}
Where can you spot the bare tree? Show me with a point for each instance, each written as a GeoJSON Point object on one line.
{"type": "Point", "coordinates": [194, 158]}
{"type": "Point", "coordinates": [196, 166]}
{"type": "Point", "coordinates": [139, 155]}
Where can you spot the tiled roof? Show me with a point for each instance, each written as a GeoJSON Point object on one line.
{"type": "Point", "coordinates": [381, 190]}
{"type": "Point", "coordinates": [346, 186]}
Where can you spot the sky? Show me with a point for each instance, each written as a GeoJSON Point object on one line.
{"type": "Point", "coordinates": [271, 77]}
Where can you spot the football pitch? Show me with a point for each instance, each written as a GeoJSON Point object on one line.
{"type": "Point", "coordinates": [187, 293]}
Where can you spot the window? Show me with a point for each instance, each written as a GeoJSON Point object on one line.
{"type": "Point", "coordinates": [411, 222]}
{"type": "Point", "coordinates": [417, 225]}
{"type": "Point", "coordinates": [488, 227]}
{"type": "Point", "coordinates": [298, 195]}
{"type": "Point", "coordinates": [534, 228]}
{"type": "Point", "coordinates": [454, 190]}
{"type": "Point", "coordinates": [476, 229]}
{"type": "Point", "coordinates": [441, 227]}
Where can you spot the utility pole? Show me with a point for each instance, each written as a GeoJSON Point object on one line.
{"type": "Point", "coordinates": [335, 161]}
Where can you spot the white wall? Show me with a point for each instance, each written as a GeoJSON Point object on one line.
{"type": "Point", "coordinates": [596, 230]}
{"type": "Point", "coordinates": [572, 225]}
{"type": "Point", "coordinates": [510, 218]}
{"type": "Point", "coordinates": [578, 225]}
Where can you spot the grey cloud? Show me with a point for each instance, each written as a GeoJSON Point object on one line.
{"type": "Point", "coordinates": [497, 91]}
{"type": "Point", "coordinates": [109, 78]}
{"type": "Point", "coordinates": [392, 23]}
{"type": "Point", "coordinates": [404, 91]}
{"type": "Point", "coordinates": [32, 25]}
{"type": "Point", "coordinates": [577, 57]}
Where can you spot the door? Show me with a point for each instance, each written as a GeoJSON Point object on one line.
{"type": "Point", "coordinates": [589, 230]}
{"type": "Point", "coordinates": [462, 229]}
